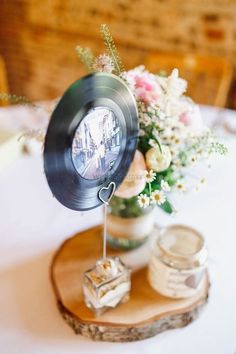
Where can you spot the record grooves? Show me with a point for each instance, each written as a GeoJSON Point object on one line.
{"type": "Point", "coordinates": [91, 140]}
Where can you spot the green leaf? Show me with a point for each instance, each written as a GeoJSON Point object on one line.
{"type": "Point", "coordinates": [126, 208]}
{"type": "Point", "coordinates": [111, 49]}
{"type": "Point", "coordinates": [155, 185]}
{"type": "Point", "coordinates": [86, 56]}
{"type": "Point", "coordinates": [158, 143]}
{"type": "Point", "coordinates": [167, 207]}
{"type": "Point", "coordinates": [14, 99]}
{"type": "Point", "coordinates": [143, 144]}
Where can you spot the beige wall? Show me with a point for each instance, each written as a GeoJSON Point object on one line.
{"type": "Point", "coordinates": [37, 38]}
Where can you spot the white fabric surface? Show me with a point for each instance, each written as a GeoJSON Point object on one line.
{"type": "Point", "coordinates": [33, 224]}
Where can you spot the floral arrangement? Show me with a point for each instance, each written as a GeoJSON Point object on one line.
{"type": "Point", "coordinates": [172, 135]}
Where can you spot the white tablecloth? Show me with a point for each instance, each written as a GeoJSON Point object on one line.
{"type": "Point", "coordinates": [33, 224]}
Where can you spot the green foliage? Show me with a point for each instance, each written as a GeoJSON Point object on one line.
{"type": "Point", "coordinates": [219, 148]}
{"type": "Point", "coordinates": [167, 207]}
{"type": "Point", "coordinates": [183, 156]}
{"type": "Point", "coordinates": [206, 142]}
{"type": "Point", "coordinates": [126, 208]}
{"type": "Point", "coordinates": [143, 144]}
{"type": "Point", "coordinates": [14, 99]}
{"type": "Point", "coordinates": [129, 208]}
{"type": "Point", "coordinates": [111, 49]}
{"type": "Point", "coordinates": [86, 56]}
{"type": "Point", "coordinates": [168, 176]}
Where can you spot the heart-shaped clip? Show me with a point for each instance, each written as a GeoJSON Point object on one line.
{"type": "Point", "coordinates": [106, 197]}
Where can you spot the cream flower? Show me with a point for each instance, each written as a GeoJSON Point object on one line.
{"type": "Point", "coordinates": [173, 85]}
{"type": "Point", "coordinates": [158, 160]}
{"type": "Point", "coordinates": [143, 200]}
{"type": "Point", "coordinates": [158, 197]}
{"type": "Point", "coordinates": [165, 186]}
{"type": "Point", "coordinates": [150, 176]}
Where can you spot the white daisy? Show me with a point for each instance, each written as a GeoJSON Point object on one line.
{"type": "Point", "coordinates": [143, 200]}
{"type": "Point", "coordinates": [181, 186]}
{"type": "Point", "coordinates": [158, 197]}
{"type": "Point", "coordinates": [103, 63]}
{"type": "Point", "coordinates": [165, 186]}
{"type": "Point", "coordinates": [150, 176]}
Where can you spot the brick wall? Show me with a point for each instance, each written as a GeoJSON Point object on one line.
{"type": "Point", "coordinates": [37, 38]}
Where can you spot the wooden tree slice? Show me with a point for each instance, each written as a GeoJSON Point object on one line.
{"type": "Point", "coordinates": [144, 315]}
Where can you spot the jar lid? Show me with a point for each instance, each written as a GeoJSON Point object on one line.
{"type": "Point", "coordinates": [182, 246]}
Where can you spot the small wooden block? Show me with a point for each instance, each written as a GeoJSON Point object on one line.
{"type": "Point", "coordinates": [146, 313]}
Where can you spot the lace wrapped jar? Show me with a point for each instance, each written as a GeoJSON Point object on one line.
{"type": "Point", "coordinates": [128, 225]}
{"type": "Point", "coordinates": [178, 262]}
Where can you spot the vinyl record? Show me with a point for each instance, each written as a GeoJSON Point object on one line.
{"type": "Point", "coordinates": [91, 140]}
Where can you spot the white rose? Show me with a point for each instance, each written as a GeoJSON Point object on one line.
{"type": "Point", "coordinates": [157, 160]}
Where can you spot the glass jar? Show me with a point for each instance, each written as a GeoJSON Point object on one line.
{"type": "Point", "coordinates": [128, 225]}
{"type": "Point", "coordinates": [106, 285]}
{"type": "Point", "coordinates": [178, 262]}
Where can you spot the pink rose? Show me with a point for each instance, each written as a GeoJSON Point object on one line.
{"type": "Point", "coordinates": [185, 118]}
{"type": "Point", "coordinates": [147, 97]}
{"type": "Point", "coordinates": [141, 82]}
{"type": "Point", "coordinates": [146, 88]}
{"type": "Point", "coordinates": [192, 118]}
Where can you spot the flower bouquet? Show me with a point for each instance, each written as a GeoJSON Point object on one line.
{"type": "Point", "coordinates": [172, 138]}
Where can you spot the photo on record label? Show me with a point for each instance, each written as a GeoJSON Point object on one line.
{"type": "Point", "coordinates": [96, 143]}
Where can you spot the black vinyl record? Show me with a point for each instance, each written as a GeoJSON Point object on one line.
{"type": "Point", "coordinates": [91, 140]}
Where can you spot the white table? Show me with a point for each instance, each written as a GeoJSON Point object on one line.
{"type": "Point", "coordinates": [33, 224]}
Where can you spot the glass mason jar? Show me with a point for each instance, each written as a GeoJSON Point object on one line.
{"type": "Point", "coordinates": [128, 225]}
{"type": "Point", "coordinates": [178, 262]}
